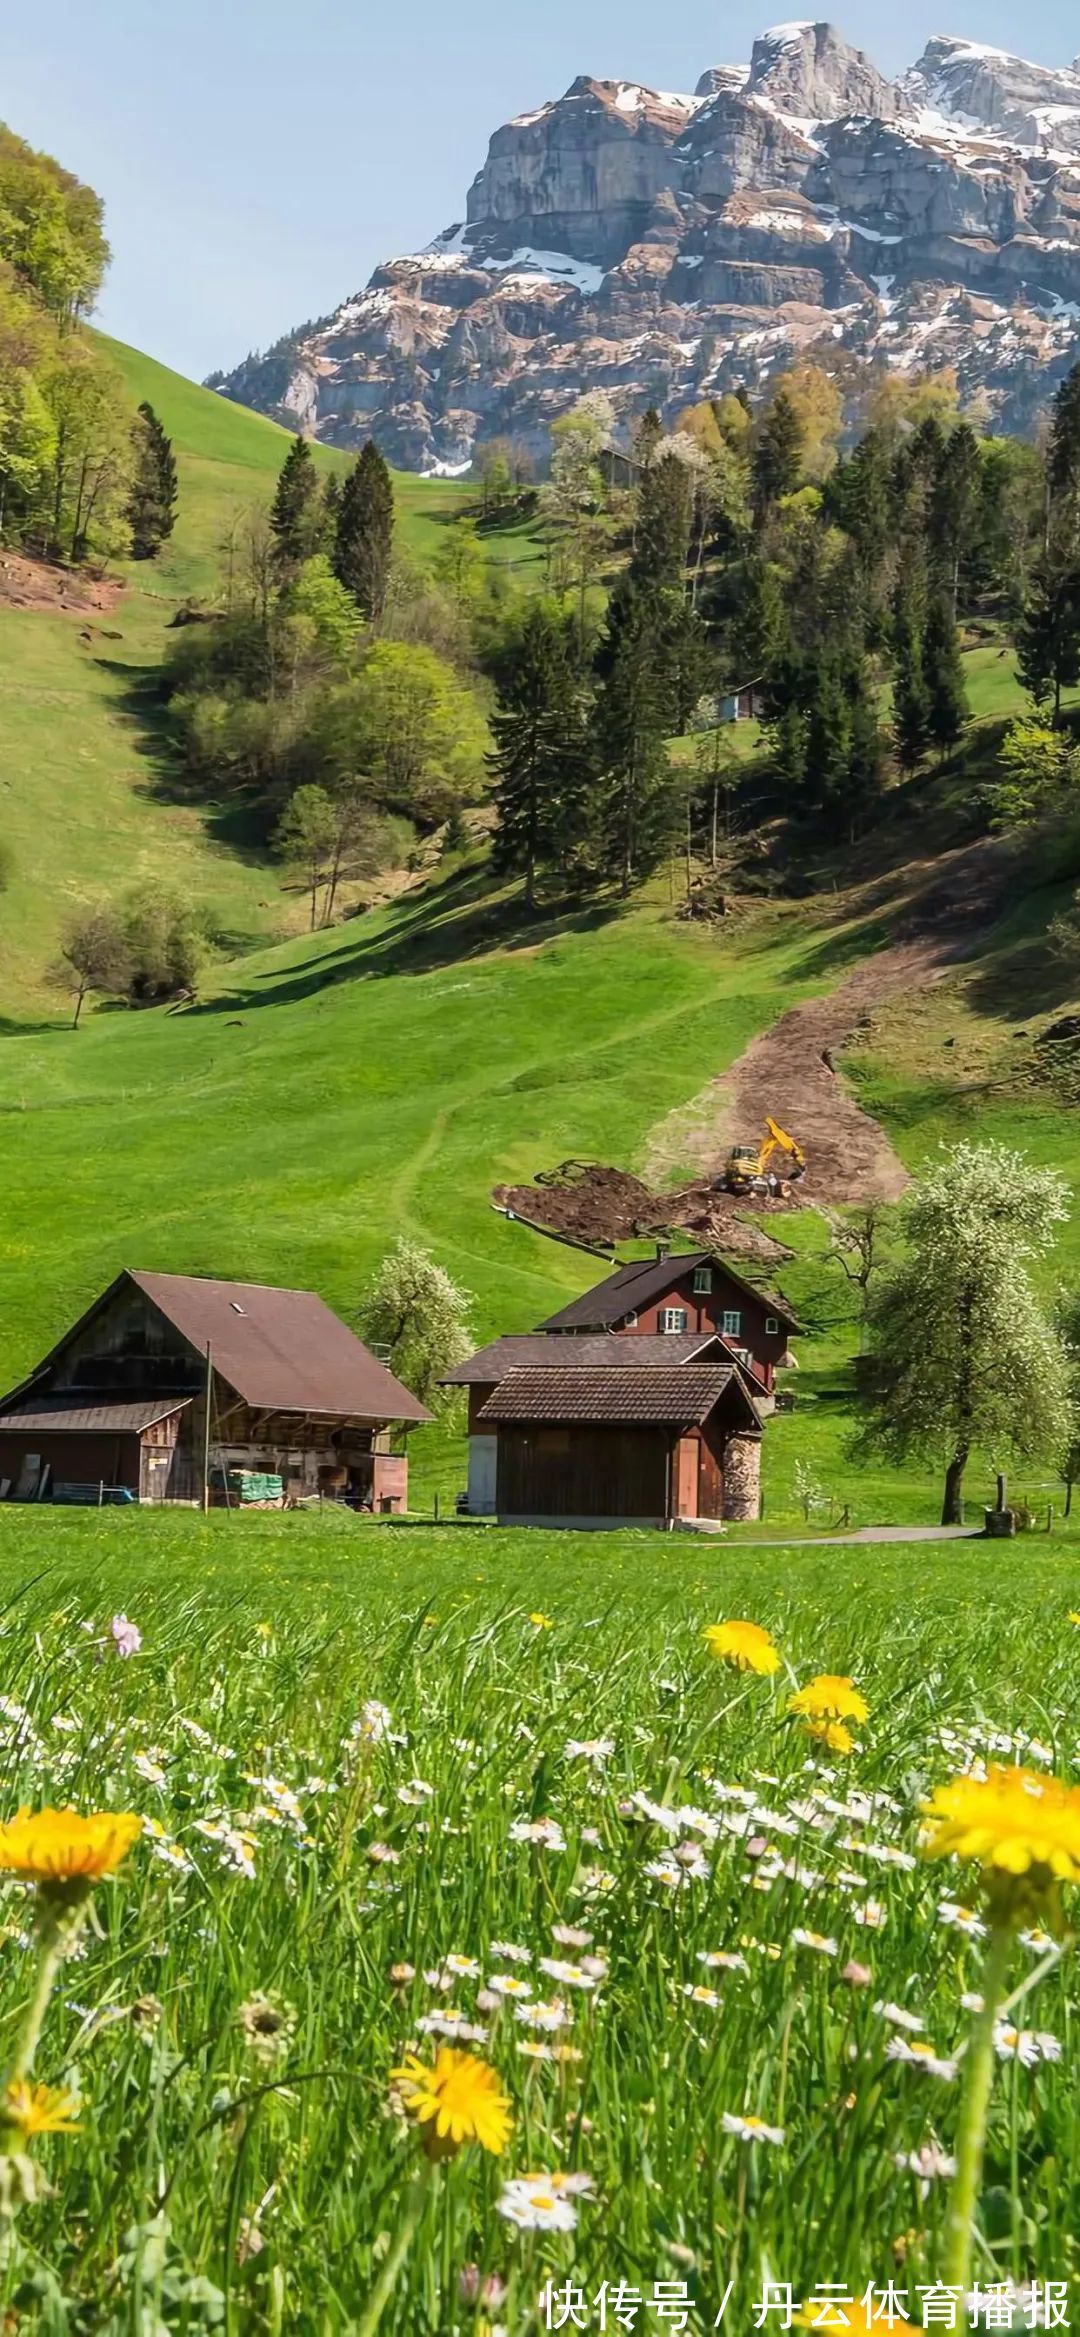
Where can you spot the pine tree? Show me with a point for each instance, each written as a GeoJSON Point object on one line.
{"type": "Point", "coordinates": [365, 532]}
{"type": "Point", "coordinates": [911, 697]}
{"type": "Point", "coordinates": [778, 455]}
{"type": "Point", "coordinates": [634, 715]}
{"type": "Point", "coordinates": [328, 517]}
{"type": "Point", "coordinates": [943, 676]}
{"type": "Point", "coordinates": [540, 764]}
{"type": "Point", "coordinates": [295, 510]}
{"type": "Point", "coordinates": [1048, 637]}
{"type": "Point", "coordinates": [953, 508]}
{"type": "Point", "coordinates": [1063, 466]}
{"type": "Point", "coordinates": [151, 509]}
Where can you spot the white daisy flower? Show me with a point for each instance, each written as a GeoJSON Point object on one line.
{"type": "Point", "coordinates": [568, 1975]}
{"type": "Point", "coordinates": [545, 1831]}
{"type": "Point", "coordinates": [510, 1954]}
{"type": "Point", "coordinates": [700, 1995]}
{"type": "Point", "coordinates": [722, 1960]}
{"type": "Point", "coordinates": [921, 2056]}
{"type": "Point", "coordinates": [930, 2164]}
{"type": "Point", "coordinates": [508, 1984]}
{"type": "Point", "coordinates": [900, 2018]}
{"type": "Point", "coordinates": [817, 1940]}
{"type": "Point", "coordinates": [1026, 2045]}
{"type": "Point", "coordinates": [751, 2129]}
{"type": "Point", "coordinates": [961, 1919]}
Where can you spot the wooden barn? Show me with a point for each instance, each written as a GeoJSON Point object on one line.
{"type": "Point", "coordinates": [635, 1339]}
{"type": "Point", "coordinates": [167, 1374]}
{"type": "Point", "coordinates": [650, 1445]}
{"type": "Point", "coordinates": [688, 1292]}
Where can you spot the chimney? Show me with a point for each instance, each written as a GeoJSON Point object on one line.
{"type": "Point", "coordinates": [663, 1250]}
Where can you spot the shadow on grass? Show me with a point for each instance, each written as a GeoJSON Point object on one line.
{"type": "Point", "coordinates": [237, 823]}
{"type": "Point", "coordinates": [456, 922]}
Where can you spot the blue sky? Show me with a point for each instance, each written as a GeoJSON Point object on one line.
{"type": "Point", "coordinates": [257, 157]}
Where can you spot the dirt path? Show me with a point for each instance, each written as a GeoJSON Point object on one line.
{"type": "Point", "coordinates": [792, 1073]}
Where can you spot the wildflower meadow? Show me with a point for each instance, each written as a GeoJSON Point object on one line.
{"type": "Point", "coordinates": [461, 1932]}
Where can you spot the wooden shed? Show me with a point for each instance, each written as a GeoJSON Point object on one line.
{"type": "Point", "coordinates": [603, 1446]}
{"type": "Point", "coordinates": [119, 1407]}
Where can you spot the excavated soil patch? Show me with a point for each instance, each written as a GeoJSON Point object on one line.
{"type": "Point", "coordinates": [791, 1074]}
{"type": "Point", "coordinates": [43, 584]}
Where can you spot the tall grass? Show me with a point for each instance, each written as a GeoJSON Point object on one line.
{"type": "Point", "coordinates": [226, 2180]}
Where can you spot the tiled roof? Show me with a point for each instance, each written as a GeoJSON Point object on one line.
{"type": "Point", "coordinates": [680, 1396]}
{"type": "Point", "coordinates": [69, 1418]}
{"type": "Point", "coordinates": [589, 1349]}
{"type": "Point", "coordinates": [282, 1350]}
{"type": "Point", "coordinates": [634, 1287]}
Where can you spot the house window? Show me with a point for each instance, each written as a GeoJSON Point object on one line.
{"type": "Point", "coordinates": [772, 1325]}
{"type": "Point", "coordinates": [732, 1323]}
{"type": "Point", "coordinates": [702, 1281]}
{"type": "Point", "coordinates": [630, 1320]}
{"type": "Point", "coordinates": [673, 1318]}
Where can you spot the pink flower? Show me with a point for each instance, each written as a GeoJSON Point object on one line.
{"type": "Point", "coordinates": [127, 1637]}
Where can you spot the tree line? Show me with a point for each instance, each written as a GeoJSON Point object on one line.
{"type": "Point", "coordinates": [82, 478]}
{"type": "Point", "coordinates": [755, 548]}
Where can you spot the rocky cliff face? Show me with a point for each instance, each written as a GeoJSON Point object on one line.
{"type": "Point", "coordinates": [664, 247]}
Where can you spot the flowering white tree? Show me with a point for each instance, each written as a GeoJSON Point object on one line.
{"type": "Point", "coordinates": [418, 1316]}
{"type": "Point", "coordinates": [962, 1352]}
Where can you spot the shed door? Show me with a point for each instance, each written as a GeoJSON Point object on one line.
{"type": "Point", "coordinates": [483, 1463]}
{"type": "Point", "coordinates": [154, 1472]}
{"type": "Point", "coordinates": [686, 1477]}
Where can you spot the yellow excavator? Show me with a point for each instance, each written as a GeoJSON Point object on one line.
{"type": "Point", "coordinates": [747, 1171]}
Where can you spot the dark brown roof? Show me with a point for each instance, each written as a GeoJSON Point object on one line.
{"type": "Point", "coordinates": [682, 1396]}
{"type": "Point", "coordinates": [545, 1350]}
{"type": "Point", "coordinates": [68, 1419]}
{"type": "Point", "coordinates": [281, 1350]}
{"type": "Point", "coordinates": [633, 1287]}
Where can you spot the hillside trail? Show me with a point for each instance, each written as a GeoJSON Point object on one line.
{"type": "Point", "coordinates": [791, 1071]}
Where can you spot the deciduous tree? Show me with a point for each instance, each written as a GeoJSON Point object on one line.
{"type": "Point", "coordinates": [962, 1352]}
{"type": "Point", "coordinates": [418, 1317]}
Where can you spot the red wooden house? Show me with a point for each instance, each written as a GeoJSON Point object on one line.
{"type": "Point", "coordinates": [642, 1401]}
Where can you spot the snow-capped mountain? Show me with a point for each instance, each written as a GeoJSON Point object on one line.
{"type": "Point", "coordinates": [664, 246]}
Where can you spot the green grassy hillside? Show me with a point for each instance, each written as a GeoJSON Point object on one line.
{"type": "Point", "coordinates": [88, 795]}
{"type": "Point", "coordinates": [332, 1091]}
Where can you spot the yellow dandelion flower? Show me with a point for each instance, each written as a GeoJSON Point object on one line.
{"type": "Point", "coordinates": [830, 1733]}
{"type": "Point", "coordinates": [1074, 1618]}
{"type": "Point", "coordinates": [748, 1647]}
{"type": "Point", "coordinates": [1015, 1820]}
{"type": "Point", "coordinates": [37, 2109]}
{"type": "Point", "coordinates": [541, 1622]}
{"type": "Point", "coordinates": [459, 2100]}
{"type": "Point", "coordinates": [58, 1847]}
{"type": "Point", "coordinates": [832, 1696]}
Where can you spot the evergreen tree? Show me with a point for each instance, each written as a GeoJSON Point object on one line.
{"type": "Point", "coordinates": [760, 632]}
{"type": "Point", "coordinates": [778, 454]}
{"type": "Point", "coordinates": [943, 676]}
{"type": "Point", "coordinates": [1048, 637]}
{"type": "Point", "coordinates": [540, 763]}
{"type": "Point", "coordinates": [634, 715]}
{"type": "Point", "coordinates": [328, 517]}
{"type": "Point", "coordinates": [911, 697]}
{"type": "Point", "coordinates": [953, 508]}
{"type": "Point", "coordinates": [152, 497]}
{"type": "Point", "coordinates": [365, 532]}
{"type": "Point", "coordinates": [295, 510]}
{"type": "Point", "coordinates": [1063, 466]}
